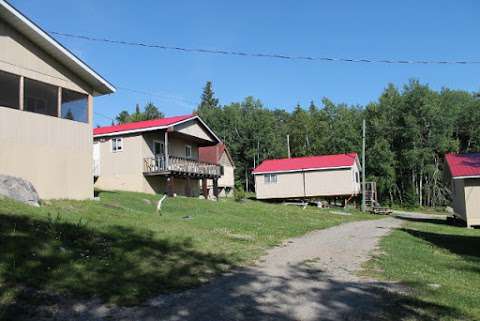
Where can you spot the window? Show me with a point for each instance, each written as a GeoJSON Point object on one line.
{"type": "Point", "coordinates": [188, 151]}
{"type": "Point", "coordinates": [270, 178]}
{"type": "Point", "coordinates": [40, 98]}
{"type": "Point", "coordinates": [158, 148]}
{"type": "Point", "coordinates": [117, 145]}
{"type": "Point", "coordinates": [9, 90]}
{"type": "Point", "coordinates": [74, 106]}
{"type": "Point", "coordinates": [356, 177]}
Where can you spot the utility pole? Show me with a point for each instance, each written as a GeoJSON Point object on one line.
{"type": "Point", "coordinates": [288, 145]}
{"type": "Point", "coordinates": [363, 167]}
{"type": "Point", "coordinates": [246, 180]}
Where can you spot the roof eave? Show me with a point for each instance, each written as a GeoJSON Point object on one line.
{"type": "Point", "coordinates": [302, 170]}
{"type": "Point", "coordinates": [51, 46]}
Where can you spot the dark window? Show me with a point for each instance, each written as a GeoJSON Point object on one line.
{"type": "Point", "coordinates": [188, 151]}
{"type": "Point", "coordinates": [74, 105]}
{"type": "Point", "coordinates": [40, 97]}
{"type": "Point", "coordinates": [9, 90]}
{"type": "Point", "coordinates": [158, 148]}
{"type": "Point", "coordinates": [356, 177]}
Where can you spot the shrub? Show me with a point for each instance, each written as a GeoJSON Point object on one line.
{"type": "Point", "coordinates": [239, 194]}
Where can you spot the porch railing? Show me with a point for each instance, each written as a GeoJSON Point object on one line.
{"type": "Point", "coordinates": [181, 165]}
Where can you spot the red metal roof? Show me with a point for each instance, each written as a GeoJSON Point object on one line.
{"type": "Point", "coordinates": [306, 163]}
{"type": "Point", "coordinates": [139, 125]}
{"type": "Point", "coordinates": [211, 154]}
{"type": "Point", "coordinates": [464, 165]}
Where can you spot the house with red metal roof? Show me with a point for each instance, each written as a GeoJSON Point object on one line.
{"type": "Point", "coordinates": [325, 176]}
{"type": "Point", "coordinates": [220, 155]}
{"type": "Point", "coordinates": [464, 174]}
{"type": "Point", "coordinates": [155, 156]}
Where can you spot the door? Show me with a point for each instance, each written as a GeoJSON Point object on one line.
{"type": "Point", "coordinates": [159, 152]}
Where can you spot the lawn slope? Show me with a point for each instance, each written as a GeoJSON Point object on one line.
{"type": "Point", "coordinates": [440, 263]}
{"type": "Point", "coordinates": [120, 250]}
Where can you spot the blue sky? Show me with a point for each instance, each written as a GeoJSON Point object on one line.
{"type": "Point", "coordinates": [431, 29]}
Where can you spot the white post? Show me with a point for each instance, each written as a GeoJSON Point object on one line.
{"type": "Point", "coordinates": [166, 148]}
{"type": "Point", "coordinates": [288, 145]}
{"type": "Point", "coordinates": [363, 167]}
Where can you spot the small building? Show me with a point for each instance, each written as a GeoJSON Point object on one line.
{"type": "Point", "coordinates": [464, 174]}
{"type": "Point", "coordinates": [46, 109]}
{"type": "Point", "coordinates": [326, 176]}
{"type": "Point", "coordinates": [220, 155]}
{"type": "Point", "coordinates": [155, 156]}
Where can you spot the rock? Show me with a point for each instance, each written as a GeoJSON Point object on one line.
{"type": "Point", "coordinates": [18, 189]}
{"type": "Point", "coordinates": [147, 201]}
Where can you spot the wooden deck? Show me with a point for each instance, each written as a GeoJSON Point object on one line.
{"type": "Point", "coordinates": [179, 166]}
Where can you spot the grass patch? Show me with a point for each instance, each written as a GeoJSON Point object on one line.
{"type": "Point", "coordinates": [119, 250]}
{"type": "Point", "coordinates": [440, 263]}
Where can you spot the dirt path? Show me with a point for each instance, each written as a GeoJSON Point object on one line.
{"type": "Point", "coordinates": [313, 277]}
{"type": "Point", "coordinates": [309, 278]}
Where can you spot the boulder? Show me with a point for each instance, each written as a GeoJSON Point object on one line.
{"type": "Point", "coordinates": [18, 189]}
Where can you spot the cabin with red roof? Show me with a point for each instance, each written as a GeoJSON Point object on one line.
{"type": "Point", "coordinates": [464, 173]}
{"type": "Point", "coordinates": [220, 155]}
{"type": "Point", "coordinates": [155, 156]}
{"type": "Point", "coordinates": [322, 176]}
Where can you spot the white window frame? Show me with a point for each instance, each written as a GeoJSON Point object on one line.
{"type": "Point", "coordinates": [117, 144]}
{"type": "Point", "coordinates": [162, 143]}
{"type": "Point", "coordinates": [188, 147]}
{"type": "Point", "coordinates": [270, 179]}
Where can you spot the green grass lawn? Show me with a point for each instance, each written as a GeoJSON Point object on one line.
{"type": "Point", "coordinates": [121, 251]}
{"type": "Point", "coordinates": [440, 263]}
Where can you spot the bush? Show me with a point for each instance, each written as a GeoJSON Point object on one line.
{"type": "Point", "coordinates": [239, 194]}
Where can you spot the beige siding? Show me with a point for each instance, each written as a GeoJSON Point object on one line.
{"type": "Point", "coordinates": [288, 185]}
{"type": "Point", "coordinates": [193, 128]}
{"type": "Point", "coordinates": [472, 200]}
{"type": "Point", "coordinates": [458, 197]}
{"type": "Point", "coordinates": [315, 184]}
{"type": "Point", "coordinates": [54, 154]}
{"type": "Point", "coordinates": [24, 58]}
{"type": "Point", "coordinates": [121, 170]}
{"type": "Point", "coordinates": [176, 145]}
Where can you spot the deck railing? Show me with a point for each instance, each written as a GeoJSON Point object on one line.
{"type": "Point", "coordinates": [180, 165]}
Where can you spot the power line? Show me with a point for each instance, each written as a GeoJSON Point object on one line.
{"type": "Point", "coordinates": [265, 55]}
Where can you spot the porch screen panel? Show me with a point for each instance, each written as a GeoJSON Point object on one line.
{"type": "Point", "coordinates": [9, 90]}
{"type": "Point", "coordinates": [40, 97]}
{"type": "Point", "coordinates": [74, 106]}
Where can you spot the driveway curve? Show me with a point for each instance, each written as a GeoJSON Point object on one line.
{"type": "Point", "coordinates": [313, 277]}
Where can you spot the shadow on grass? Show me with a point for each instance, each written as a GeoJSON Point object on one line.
{"type": "Point", "coordinates": [467, 246]}
{"type": "Point", "coordinates": [432, 220]}
{"type": "Point", "coordinates": [304, 293]}
{"type": "Point", "coordinates": [118, 265]}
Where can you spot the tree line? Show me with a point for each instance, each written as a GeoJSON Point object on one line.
{"type": "Point", "coordinates": [409, 131]}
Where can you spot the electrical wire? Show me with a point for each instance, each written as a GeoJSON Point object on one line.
{"type": "Point", "coordinates": [265, 55]}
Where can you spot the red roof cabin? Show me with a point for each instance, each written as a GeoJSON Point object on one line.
{"type": "Point", "coordinates": [464, 173]}
{"type": "Point", "coordinates": [308, 177]}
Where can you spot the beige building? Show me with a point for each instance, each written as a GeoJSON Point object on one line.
{"type": "Point", "coordinates": [219, 154]}
{"type": "Point", "coordinates": [464, 173]}
{"type": "Point", "coordinates": [326, 176]}
{"type": "Point", "coordinates": [46, 110]}
{"type": "Point", "coordinates": [155, 156]}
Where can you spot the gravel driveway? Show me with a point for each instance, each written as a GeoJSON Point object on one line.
{"type": "Point", "coordinates": [308, 278]}
{"type": "Point", "coordinates": [313, 277]}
